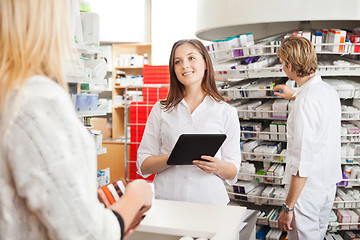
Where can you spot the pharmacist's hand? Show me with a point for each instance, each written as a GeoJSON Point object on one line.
{"type": "Point", "coordinates": [212, 165]}
{"type": "Point", "coordinates": [141, 190]}
{"type": "Point", "coordinates": [283, 91]}
{"type": "Point", "coordinates": [284, 221]}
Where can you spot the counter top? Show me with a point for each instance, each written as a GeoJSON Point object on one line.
{"type": "Point", "coordinates": [175, 218]}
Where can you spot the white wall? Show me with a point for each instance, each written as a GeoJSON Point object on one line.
{"type": "Point", "coordinates": [172, 20]}
{"type": "Point", "coordinates": [131, 21]}
{"type": "Point", "coordinates": [219, 19]}
{"type": "Point", "coordinates": [123, 20]}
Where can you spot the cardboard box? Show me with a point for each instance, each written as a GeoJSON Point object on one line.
{"type": "Point", "coordinates": [101, 125]}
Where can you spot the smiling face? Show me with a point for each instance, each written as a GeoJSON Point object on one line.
{"type": "Point", "coordinates": [189, 65]}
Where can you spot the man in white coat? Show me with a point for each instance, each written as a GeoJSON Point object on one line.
{"type": "Point", "coordinates": [313, 164]}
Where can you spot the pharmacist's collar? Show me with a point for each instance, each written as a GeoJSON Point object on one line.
{"type": "Point", "coordinates": [207, 99]}
{"type": "Point", "coordinates": [307, 84]}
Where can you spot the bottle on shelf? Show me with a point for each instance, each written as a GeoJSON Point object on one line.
{"type": "Point", "coordinates": [118, 74]}
{"type": "Point", "coordinates": [132, 60]}
{"type": "Point", "coordinates": [146, 60]}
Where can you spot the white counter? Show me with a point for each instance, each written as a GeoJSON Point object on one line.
{"type": "Point", "coordinates": [173, 219]}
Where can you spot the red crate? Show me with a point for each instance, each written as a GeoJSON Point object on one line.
{"type": "Point", "coordinates": [139, 112]}
{"type": "Point", "coordinates": [132, 170]}
{"type": "Point", "coordinates": [154, 94]}
{"type": "Point", "coordinates": [156, 75]}
{"type": "Point", "coordinates": [133, 152]}
{"type": "Point", "coordinates": [136, 133]}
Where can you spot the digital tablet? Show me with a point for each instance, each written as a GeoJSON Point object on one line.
{"type": "Point", "coordinates": [191, 147]}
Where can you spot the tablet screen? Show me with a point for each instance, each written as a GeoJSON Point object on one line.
{"type": "Point", "coordinates": [191, 147]}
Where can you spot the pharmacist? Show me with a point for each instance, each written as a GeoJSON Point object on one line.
{"type": "Point", "coordinates": [193, 105]}
{"type": "Point", "coordinates": [313, 152]}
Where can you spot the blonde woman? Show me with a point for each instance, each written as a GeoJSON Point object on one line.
{"type": "Point", "coordinates": [47, 158]}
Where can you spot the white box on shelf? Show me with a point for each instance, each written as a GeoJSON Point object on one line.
{"type": "Point", "coordinates": [85, 102]}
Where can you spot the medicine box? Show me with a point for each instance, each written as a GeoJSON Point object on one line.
{"type": "Point", "coordinates": [343, 217]}
{"type": "Point", "coordinates": [274, 129]}
{"type": "Point", "coordinates": [274, 217]}
{"type": "Point", "coordinates": [85, 102]}
{"type": "Point", "coordinates": [267, 193]}
{"type": "Point", "coordinates": [258, 176]}
{"type": "Point", "coordinates": [354, 219]}
{"type": "Point", "coordinates": [254, 194]}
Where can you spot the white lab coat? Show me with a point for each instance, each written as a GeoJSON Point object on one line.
{"type": "Point", "coordinates": [314, 150]}
{"type": "Point", "coordinates": [189, 183]}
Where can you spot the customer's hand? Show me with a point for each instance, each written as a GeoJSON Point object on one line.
{"type": "Point", "coordinates": [136, 222]}
{"type": "Point", "coordinates": [141, 189]}
{"type": "Point", "coordinates": [212, 165]}
{"type": "Point", "coordinates": [286, 91]}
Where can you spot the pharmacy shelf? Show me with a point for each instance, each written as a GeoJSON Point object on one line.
{"type": "Point", "coordinates": [280, 161]}
{"type": "Point", "coordinates": [257, 138]}
{"type": "Point", "coordinates": [96, 91]}
{"type": "Point", "coordinates": [90, 113]}
{"type": "Point", "coordinates": [262, 111]}
{"type": "Point", "coordinates": [258, 160]}
{"type": "Point", "coordinates": [350, 204]}
{"type": "Point", "coordinates": [256, 93]}
{"type": "Point", "coordinates": [85, 80]}
{"type": "Point", "coordinates": [277, 133]}
{"type": "Point", "coordinates": [251, 178]}
{"type": "Point", "coordinates": [266, 154]}
{"type": "Point", "coordinates": [350, 141]}
{"type": "Point", "coordinates": [278, 202]}
{"type": "Point", "coordinates": [276, 71]}
{"type": "Point", "coordinates": [357, 180]}
{"type": "Point", "coordinates": [129, 67]}
{"type": "Point", "coordinates": [128, 87]}
{"type": "Point", "coordinates": [101, 151]}
{"type": "Point", "coordinates": [87, 49]}
{"type": "Point", "coordinates": [241, 174]}
{"type": "Point", "coordinates": [269, 50]}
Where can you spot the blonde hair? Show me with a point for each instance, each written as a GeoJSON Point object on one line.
{"type": "Point", "coordinates": [35, 39]}
{"type": "Point", "coordinates": [300, 53]}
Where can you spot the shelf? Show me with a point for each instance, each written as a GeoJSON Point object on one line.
{"type": "Point", "coordinates": [96, 91]}
{"type": "Point", "coordinates": [85, 80]}
{"type": "Point", "coordinates": [258, 197]}
{"type": "Point", "coordinates": [86, 49]}
{"type": "Point", "coordinates": [249, 177]}
{"type": "Point", "coordinates": [128, 67]}
{"type": "Point", "coordinates": [268, 50]}
{"type": "Point", "coordinates": [119, 107]}
{"type": "Point", "coordinates": [101, 151]}
{"type": "Point", "coordinates": [276, 71]}
{"type": "Point", "coordinates": [90, 113]}
{"type": "Point", "coordinates": [257, 138]}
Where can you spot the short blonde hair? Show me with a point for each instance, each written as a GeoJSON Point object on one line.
{"type": "Point", "coordinates": [35, 39]}
{"type": "Point", "coordinates": [300, 53]}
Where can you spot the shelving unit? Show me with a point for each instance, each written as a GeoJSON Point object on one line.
{"type": "Point", "coordinates": [76, 81]}
{"type": "Point", "coordinates": [118, 123]}
{"type": "Point", "coordinates": [137, 112]}
{"type": "Point", "coordinates": [231, 77]}
{"type": "Point", "coordinates": [221, 20]}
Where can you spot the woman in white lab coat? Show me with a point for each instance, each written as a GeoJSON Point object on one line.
{"type": "Point", "coordinates": [193, 105]}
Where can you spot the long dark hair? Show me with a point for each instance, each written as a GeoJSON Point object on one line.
{"type": "Point", "coordinates": [177, 89]}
